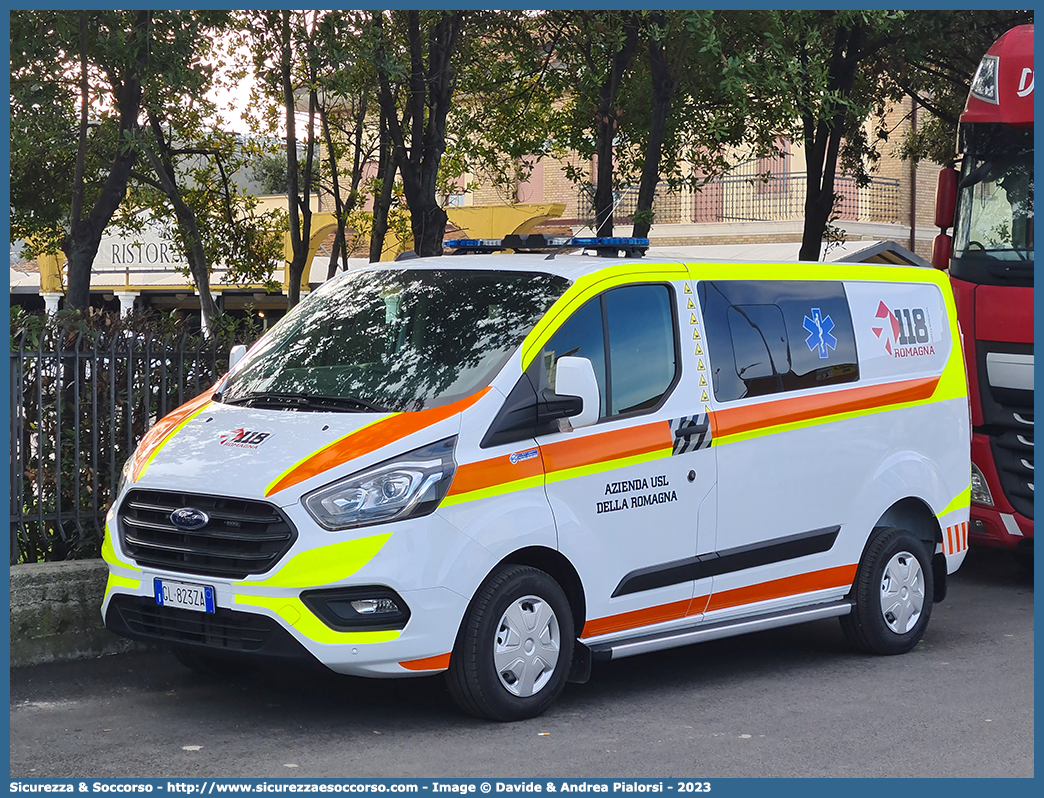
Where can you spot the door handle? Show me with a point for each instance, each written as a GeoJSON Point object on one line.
{"type": "Point", "coordinates": [693, 428]}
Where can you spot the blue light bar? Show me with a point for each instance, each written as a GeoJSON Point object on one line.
{"type": "Point", "coordinates": [474, 243]}
{"type": "Point", "coordinates": [536, 241]}
{"type": "Point", "coordinates": [609, 242]}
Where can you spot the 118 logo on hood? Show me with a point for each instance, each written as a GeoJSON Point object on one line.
{"type": "Point", "coordinates": [244, 438]}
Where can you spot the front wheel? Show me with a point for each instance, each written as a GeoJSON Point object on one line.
{"type": "Point", "coordinates": [514, 648]}
{"type": "Point", "coordinates": [893, 594]}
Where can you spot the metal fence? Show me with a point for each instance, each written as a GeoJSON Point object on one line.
{"type": "Point", "coordinates": [743, 196]}
{"type": "Point", "coordinates": [80, 402]}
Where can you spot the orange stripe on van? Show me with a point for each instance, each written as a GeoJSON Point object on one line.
{"type": "Point", "coordinates": [437, 663]}
{"type": "Point", "coordinates": [607, 446]}
{"type": "Point", "coordinates": [736, 420]}
{"type": "Point", "coordinates": [636, 618]}
{"type": "Point", "coordinates": [493, 472]}
{"type": "Point", "coordinates": [949, 537]}
{"type": "Point", "coordinates": [369, 439]}
{"type": "Point", "coordinates": [839, 576]}
{"type": "Point", "coordinates": [161, 432]}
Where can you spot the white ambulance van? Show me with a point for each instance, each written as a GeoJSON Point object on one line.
{"type": "Point", "coordinates": [506, 466]}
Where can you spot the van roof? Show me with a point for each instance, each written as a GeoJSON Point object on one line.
{"type": "Point", "coordinates": [574, 266]}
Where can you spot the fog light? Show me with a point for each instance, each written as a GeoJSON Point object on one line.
{"type": "Point", "coordinates": [347, 609]}
{"type": "Point", "coordinates": [980, 491]}
{"type": "Point", "coordinates": [374, 606]}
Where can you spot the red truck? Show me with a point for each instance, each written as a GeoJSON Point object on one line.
{"type": "Point", "coordinates": [989, 205]}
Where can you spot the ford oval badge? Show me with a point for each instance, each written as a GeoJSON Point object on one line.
{"type": "Point", "coordinates": [189, 519]}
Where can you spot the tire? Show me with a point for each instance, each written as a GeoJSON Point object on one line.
{"type": "Point", "coordinates": [893, 592]}
{"type": "Point", "coordinates": [1024, 559]}
{"type": "Point", "coordinates": [514, 648]}
{"type": "Point", "coordinates": [210, 664]}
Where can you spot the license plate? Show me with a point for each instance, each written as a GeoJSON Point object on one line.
{"type": "Point", "coordinates": [184, 595]}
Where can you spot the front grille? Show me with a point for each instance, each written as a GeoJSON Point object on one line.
{"type": "Point", "coordinates": [1013, 456]}
{"type": "Point", "coordinates": [224, 629]}
{"type": "Point", "coordinates": [1007, 418]}
{"type": "Point", "coordinates": [241, 537]}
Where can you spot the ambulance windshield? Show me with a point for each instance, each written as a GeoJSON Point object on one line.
{"type": "Point", "coordinates": [393, 340]}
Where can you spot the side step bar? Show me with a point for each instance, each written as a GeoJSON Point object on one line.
{"type": "Point", "coordinates": [657, 642]}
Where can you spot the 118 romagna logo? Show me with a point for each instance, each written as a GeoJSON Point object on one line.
{"type": "Point", "coordinates": [904, 327]}
{"type": "Point", "coordinates": [244, 437]}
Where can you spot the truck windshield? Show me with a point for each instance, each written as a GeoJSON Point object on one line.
{"type": "Point", "coordinates": [993, 229]}
{"type": "Point", "coordinates": [393, 340]}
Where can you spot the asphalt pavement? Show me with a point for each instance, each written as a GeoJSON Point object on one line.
{"type": "Point", "coordinates": [784, 703]}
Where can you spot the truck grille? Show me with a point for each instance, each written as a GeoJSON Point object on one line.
{"type": "Point", "coordinates": [1013, 455]}
{"type": "Point", "coordinates": [240, 538]}
{"type": "Point", "coordinates": [1007, 412]}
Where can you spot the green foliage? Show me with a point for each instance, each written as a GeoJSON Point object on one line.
{"type": "Point", "coordinates": [941, 52]}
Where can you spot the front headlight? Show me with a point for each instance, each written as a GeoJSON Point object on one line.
{"type": "Point", "coordinates": [980, 488]}
{"type": "Point", "coordinates": [406, 486]}
{"type": "Point", "coordinates": [125, 476]}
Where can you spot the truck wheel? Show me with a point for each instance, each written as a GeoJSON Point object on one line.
{"type": "Point", "coordinates": [514, 648]}
{"type": "Point", "coordinates": [893, 594]}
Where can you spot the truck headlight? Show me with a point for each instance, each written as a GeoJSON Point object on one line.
{"type": "Point", "coordinates": [980, 491]}
{"type": "Point", "coordinates": [406, 486]}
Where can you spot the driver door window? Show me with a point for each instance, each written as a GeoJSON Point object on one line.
{"type": "Point", "coordinates": [635, 325]}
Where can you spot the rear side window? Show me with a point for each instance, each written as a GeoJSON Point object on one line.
{"type": "Point", "coordinates": [767, 337]}
{"type": "Point", "coordinates": [628, 335]}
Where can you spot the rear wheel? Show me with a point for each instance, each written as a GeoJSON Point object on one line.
{"type": "Point", "coordinates": [514, 648]}
{"type": "Point", "coordinates": [893, 594]}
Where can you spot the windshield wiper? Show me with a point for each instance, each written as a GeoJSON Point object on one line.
{"type": "Point", "coordinates": [303, 401]}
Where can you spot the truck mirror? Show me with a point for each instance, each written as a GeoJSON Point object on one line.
{"type": "Point", "coordinates": [941, 250]}
{"type": "Point", "coordinates": [945, 199]}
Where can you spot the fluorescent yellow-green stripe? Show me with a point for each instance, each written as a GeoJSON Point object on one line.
{"type": "Point", "coordinates": [495, 490]}
{"type": "Point", "coordinates": [849, 272]}
{"type": "Point", "coordinates": [294, 612]}
{"type": "Point", "coordinates": [588, 286]}
{"type": "Point", "coordinates": [115, 580]}
{"type": "Point", "coordinates": [953, 384]}
{"type": "Point", "coordinates": [310, 455]}
{"type": "Point", "coordinates": [608, 465]}
{"type": "Point", "coordinates": [166, 440]}
{"type": "Point", "coordinates": [108, 553]}
{"type": "Point", "coordinates": [962, 501]}
{"type": "Point", "coordinates": [325, 564]}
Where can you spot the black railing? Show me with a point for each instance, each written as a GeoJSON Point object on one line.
{"type": "Point", "coordinates": [80, 402]}
{"type": "Point", "coordinates": [744, 196]}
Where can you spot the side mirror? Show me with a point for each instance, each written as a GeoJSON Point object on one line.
{"type": "Point", "coordinates": [575, 377]}
{"type": "Point", "coordinates": [941, 250]}
{"type": "Point", "coordinates": [945, 198]}
{"type": "Point", "coordinates": [235, 355]}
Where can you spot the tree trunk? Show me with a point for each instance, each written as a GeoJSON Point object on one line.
{"type": "Point", "coordinates": [430, 91]}
{"type": "Point", "coordinates": [386, 167]}
{"type": "Point", "coordinates": [339, 247]}
{"type": "Point", "coordinates": [823, 144]}
{"type": "Point", "coordinates": [81, 243]}
{"type": "Point", "coordinates": [606, 125]}
{"type": "Point", "coordinates": [300, 211]}
{"type": "Point", "coordinates": [663, 85]}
